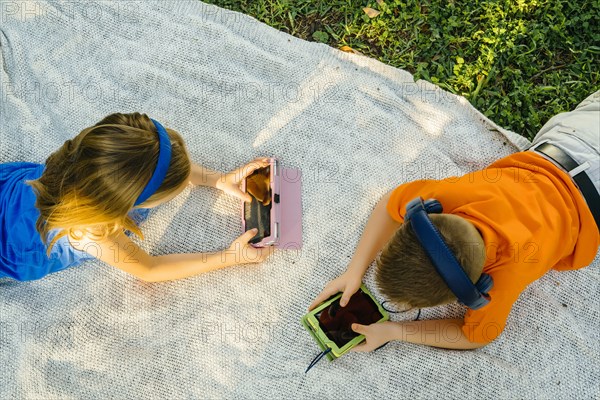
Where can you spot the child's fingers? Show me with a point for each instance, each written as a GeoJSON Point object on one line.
{"type": "Point", "coordinates": [246, 236]}
{"type": "Point", "coordinates": [266, 252]}
{"type": "Point", "coordinates": [321, 297]}
{"type": "Point", "coordinates": [346, 297]}
{"type": "Point", "coordinates": [358, 328]}
{"type": "Point", "coordinates": [361, 329]}
{"type": "Point", "coordinates": [257, 163]}
{"type": "Point", "coordinates": [252, 166]}
{"type": "Point", "coordinates": [242, 195]}
{"type": "Point", "coordinates": [361, 348]}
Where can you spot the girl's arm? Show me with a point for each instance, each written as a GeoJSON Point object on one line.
{"type": "Point", "coordinates": [378, 231]}
{"type": "Point", "coordinates": [201, 176]}
{"type": "Point", "coordinates": [121, 252]}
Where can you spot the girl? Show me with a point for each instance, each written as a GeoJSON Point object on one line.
{"type": "Point", "coordinates": [78, 204]}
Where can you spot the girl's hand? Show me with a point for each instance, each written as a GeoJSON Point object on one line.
{"type": "Point", "coordinates": [376, 335]}
{"type": "Point", "coordinates": [348, 283]}
{"type": "Point", "coordinates": [245, 253]}
{"type": "Point", "coordinates": [230, 183]}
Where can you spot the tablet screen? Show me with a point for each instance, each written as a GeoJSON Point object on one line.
{"type": "Point", "coordinates": [336, 321]}
{"type": "Point", "coordinates": [257, 213]}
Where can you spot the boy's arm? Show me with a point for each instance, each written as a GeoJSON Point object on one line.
{"type": "Point", "coordinates": [444, 333]}
{"type": "Point", "coordinates": [378, 231]}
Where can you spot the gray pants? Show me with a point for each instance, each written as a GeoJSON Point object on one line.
{"type": "Point", "coordinates": [578, 134]}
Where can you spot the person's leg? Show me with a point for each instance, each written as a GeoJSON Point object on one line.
{"type": "Point", "coordinates": [591, 103]}
{"type": "Point", "coordinates": [578, 134]}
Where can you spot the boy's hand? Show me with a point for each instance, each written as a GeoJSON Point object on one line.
{"type": "Point", "coordinates": [230, 182]}
{"type": "Point", "coordinates": [348, 283]}
{"type": "Point", "coordinates": [244, 252]}
{"type": "Point", "coordinates": [376, 335]}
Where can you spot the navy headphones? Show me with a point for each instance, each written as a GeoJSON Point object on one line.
{"type": "Point", "coordinates": [471, 295]}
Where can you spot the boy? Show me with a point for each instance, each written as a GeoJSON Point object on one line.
{"type": "Point", "coordinates": [523, 215]}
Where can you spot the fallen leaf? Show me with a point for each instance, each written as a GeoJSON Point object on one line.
{"type": "Point", "coordinates": [370, 12]}
{"type": "Point", "coordinates": [349, 49]}
{"type": "Point", "coordinates": [379, 2]}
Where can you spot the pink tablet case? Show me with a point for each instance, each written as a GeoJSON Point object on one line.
{"type": "Point", "coordinates": [290, 186]}
{"type": "Point", "coordinates": [286, 214]}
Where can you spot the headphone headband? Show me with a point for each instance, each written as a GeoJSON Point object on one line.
{"type": "Point", "coordinates": [442, 258]}
{"type": "Point", "coordinates": [164, 159]}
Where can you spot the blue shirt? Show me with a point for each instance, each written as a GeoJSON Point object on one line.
{"type": "Point", "coordinates": [22, 253]}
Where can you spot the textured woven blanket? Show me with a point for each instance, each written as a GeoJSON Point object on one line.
{"type": "Point", "coordinates": [237, 89]}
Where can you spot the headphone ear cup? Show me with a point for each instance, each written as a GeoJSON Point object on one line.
{"type": "Point", "coordinates": [484, 283]}
{"type": "Point", "coordinates": [432, 206]}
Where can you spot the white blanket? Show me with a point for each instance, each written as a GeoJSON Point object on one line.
{"type": "Point", "coordinates": [237, 89]}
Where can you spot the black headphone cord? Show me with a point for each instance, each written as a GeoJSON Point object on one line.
{"type": "Point", "coordinates": [400, 312]}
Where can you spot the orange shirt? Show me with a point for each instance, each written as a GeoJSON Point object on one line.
{"type": "Point", "coordinates": [532, 219]}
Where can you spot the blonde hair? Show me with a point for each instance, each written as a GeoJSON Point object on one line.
{"type": "Point", "coordinates": [405, 274]}
{"type": "Point", "coordinates": [93, 180]}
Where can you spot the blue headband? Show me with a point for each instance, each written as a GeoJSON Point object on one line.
{"type": "Point", "coordinates": [164, 159]}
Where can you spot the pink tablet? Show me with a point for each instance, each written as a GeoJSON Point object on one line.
{"type": "Point", "coordinates": [276, 207]}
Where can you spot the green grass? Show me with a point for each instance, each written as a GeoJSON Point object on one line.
{"type": "Point", "coordinates": [518, 61]}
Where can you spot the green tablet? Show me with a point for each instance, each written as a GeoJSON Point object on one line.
{"type": "Point", "coordinates": [331, 325]}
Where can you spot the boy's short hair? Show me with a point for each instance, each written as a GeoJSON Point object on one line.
{"type": "Point", "coordinates": [405, 274]}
